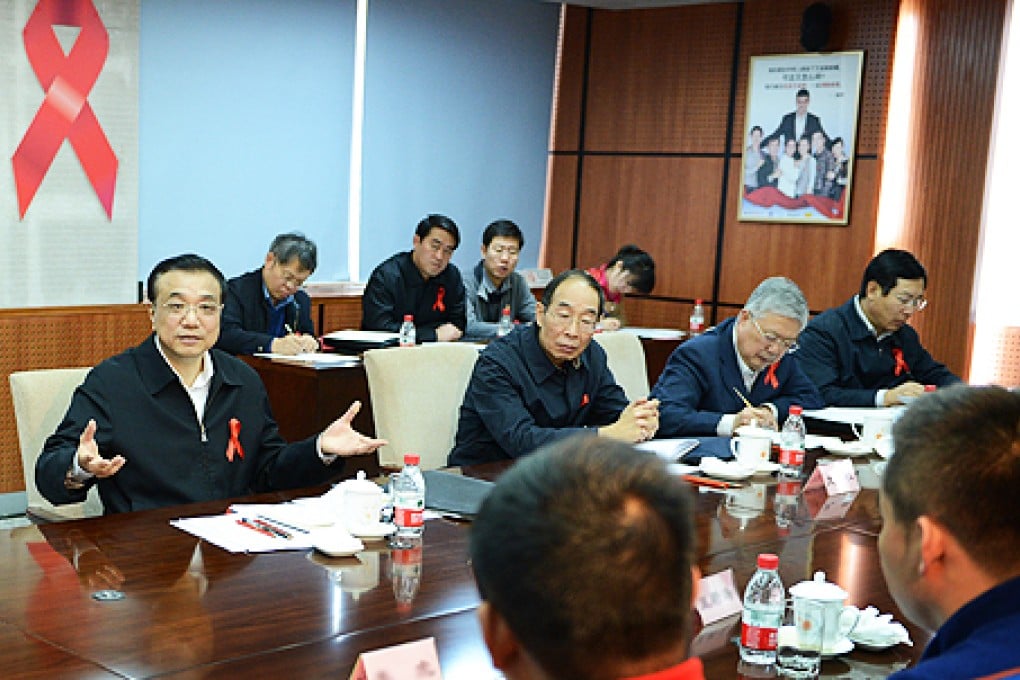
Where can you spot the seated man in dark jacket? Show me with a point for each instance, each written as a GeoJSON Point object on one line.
{"type": "Point", "coordinates": [864, 353]}
{"type": "Point", "coordinates": [266, 310]}
{"type": "Point", "coordinates": [172, 421]}
{"type": "Point", "coordinates": [709, 379]}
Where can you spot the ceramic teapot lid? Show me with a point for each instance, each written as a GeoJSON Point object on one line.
{"type": "Point", "coordinates": [360, 485]}
{"type": "Point", "coordinates": [818, 589]}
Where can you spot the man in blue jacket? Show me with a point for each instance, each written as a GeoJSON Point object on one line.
{"type": "Point", "coordinates": [865, 353]}
{"type": "Point", "coordinates": [739, 372]}
{"type": "Point", "coordinates": [950, 540]}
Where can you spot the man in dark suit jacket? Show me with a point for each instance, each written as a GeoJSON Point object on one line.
{"type": "Point", "coordinates": [265, 309]}
{"type": "Point", "coordinates": [707, 380]}
{"type": "Point", "coordinates": [798, 123]}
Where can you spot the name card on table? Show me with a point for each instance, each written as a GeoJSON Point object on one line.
{"type": "Point", "coordinates": [717, 597]}
{"type": "Point", "coordinates": [415, 660]}
{"type": "Point", "coordinates": [836, 478]}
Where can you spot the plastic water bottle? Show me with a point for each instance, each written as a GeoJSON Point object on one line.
{"type": "Point", "coordinates": [791, 443]}
{"type": "Point", "coordinates": [764, 605]}
{"type": "Point", "coordinates": [409, 499]}
{"type": "Point", "coordinates": [407, 334]}
{"type": "Point", "coordinates": [697, 323]}
{"type": "Point", "coordinates": [506, 322]}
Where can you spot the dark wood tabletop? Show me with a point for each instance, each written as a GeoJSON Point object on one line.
{"type": "Point", "coordinates": [190, 609]}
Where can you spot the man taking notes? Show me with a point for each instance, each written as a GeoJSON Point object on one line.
{"type": "Point", "coordinates": [739, 372]}
{"type": "Point", "coordinates": [950, 540]}
{"type": "Point", "coordinates": [172, 421]}
{"type": "Point", "coordinates": [584, 555]}
{"type": "Point", "coordinates": [421, 283]}
{"type": "Point", "coordinates": [864, 353]}
{"type": "Point", "coordinates": [493, 284]}
{"type": "Point", "coordinates": [266, 310]}
{"type": "Point", "coordinates": [546, 381]}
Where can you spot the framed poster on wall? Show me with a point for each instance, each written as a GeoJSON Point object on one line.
{"type": "Point", "coordinates": [799, 137]}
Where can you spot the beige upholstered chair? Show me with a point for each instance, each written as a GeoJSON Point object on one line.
{"type": "Point", "coordinates": [416, 395]}
{"type": "Point", "coordinates": [40, 400]}
{"type": "Point", "coordinates": [627, 362]}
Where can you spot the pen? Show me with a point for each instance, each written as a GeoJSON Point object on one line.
{"type": "Point", "coordinates": [275, 530]}
{"type": "Point", "coordinates": [705, 481]}
{"type": "Point", "coordinates": [290, 331]}
{"type": "Point", "coordinates": [743, 398]}
{"type": "Point", "coordinates": [245, 523]}
{"type": "Point", "coordinates": [282, 524]}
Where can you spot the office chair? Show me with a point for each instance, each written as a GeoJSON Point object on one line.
{"type": "Point", "coordinates": [41, 399]}
{"type": "Point", "coordinates": [416, 394]}
{"type": "Point", "coordinates": [626, 359]}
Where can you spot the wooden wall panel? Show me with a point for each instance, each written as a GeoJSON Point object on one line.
{"type": "Point", "coordinates": [660, 79]}
{"type": "Point", "coordinates": [648, 201]}
{"type": "Point", "coordinates": [339, 313]}
{"type": "Point", "coordinates": [569, 80]}
{"type": "Point", "coordinates": [558, 234]}
{"type": "Point", "coordinates": [825, 261]}
{"type": "Point", "coordinates": [954, 82]}
{"type": "Point", "coordinates": [57, 337]}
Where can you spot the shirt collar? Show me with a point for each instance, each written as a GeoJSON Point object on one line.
{"type": "Point", "coordinates": [203, 378]}
{"type": "Point", "coordinates": [539, 363]}
{"type": "Point", "coordinates": [745, 371]}
{"type": "Point", "coordinates": [269, 298]}
{"type": "Point", "coordinates": [867, 321]}
{"type": "Point", "coordinates": [485, 285]}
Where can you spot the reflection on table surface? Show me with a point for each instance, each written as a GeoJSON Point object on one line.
{"type": "Point", "coordinates": [186, 608]}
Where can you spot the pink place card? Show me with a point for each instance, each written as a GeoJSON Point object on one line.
{"type": "Point", "coordinates": [717, 597]}
{"type": "Point", "coordinates": [835, 477]}
{"type": "Point", "coordinates": [415, 660]}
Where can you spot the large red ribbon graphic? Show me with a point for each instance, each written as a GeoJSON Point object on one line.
{"type": "Point", "coordinates": [439, 305]}
{"type": "Point", "coordinates": [234, 445]}
{"type": "Point", "coordinates": [65, 112]}
{"type": "Point", "coordinates": [901, 363]}
{"type": "Point", "coordinates": [770, 376]}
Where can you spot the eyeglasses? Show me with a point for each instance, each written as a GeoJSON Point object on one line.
{"type": "Point", "coordinates": [203, 310]}
{"type": "Point", "coordinates": [561, 318]}
{"type": "Point", "coordinates": [290, 279]}
{"type": "Point", "coordinates": [906, 300]}
{"type": "Point", "coordinates": [509, 251]}
{"type": "Point", "coordinates": [773, 339]}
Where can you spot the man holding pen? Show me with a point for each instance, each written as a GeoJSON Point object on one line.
{"type": "Point", "coordinates": [739, 372]}
{"type": "Point", "coordinates": [265, 309]}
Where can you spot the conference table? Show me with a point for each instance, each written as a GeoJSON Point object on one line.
{"type": "Point", "coordinates": [131, 596]}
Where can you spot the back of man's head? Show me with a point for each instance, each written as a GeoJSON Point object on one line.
{"type": "Point", "coordinates": [585, 548]}
{"type": "Point", "coordinates": [295, 246]}
{"type": "Point", "coordinates": [778, 295]}
{"type": "Point", "coordinates": [957, 461]}
{"type": "Point", "coordinates": [888, 266]}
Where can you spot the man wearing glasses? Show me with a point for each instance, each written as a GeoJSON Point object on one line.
{"type": "Point", "coordinates": [864, 353]}
{"type": "Point", "coordinates": [738, 373]}
{"type": "Point", "coordinates": [421, 283]}
{"type": "Point", "coordinates": [546, 381]}
{"type": "Point", "coordinates": [494, 285]}
{"type": "Point", "coordinates": [172, 421]}
{"type": "Point", "coordinates": [266, 310]}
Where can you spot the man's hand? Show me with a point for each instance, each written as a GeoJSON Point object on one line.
{"type": "Point", "coordinates": [637, 423]}
{"type": "Point", "coordinates": [761, 416]}
{"type": "Point", "coordinates": [89, 458]}
{"type": "Point", "coordinates": [294, 344]}
{"type": "Point", "coordinates": [448, 333]}
{"type": "Point", "coordinates": [340, 439]}
{"type": "Point", "coordinates": [907, 389]}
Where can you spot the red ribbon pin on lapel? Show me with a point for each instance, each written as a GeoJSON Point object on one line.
{"type": "Point", "coordinates": [439, 305]}
{"type": "Point", "coordinates": [901, 364]}
{"type": "Point", "coordinates": [234, 445]}
{"type": "Point", "coordinates": [770, 376]}
{"type": "Point", "coordinates": [585, 400]}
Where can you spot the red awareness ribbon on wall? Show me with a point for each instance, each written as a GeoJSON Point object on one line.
{"type": "Point", "coordinates": [65, 112]}
{"type": "Point", "coordinates": [234, 445]}
{"type": "Point", "coordinates": [770, 376]}
{"type": "Point", "coordinates": [901, 364]}
{"type": "Point", "coordinates": [439, 305]}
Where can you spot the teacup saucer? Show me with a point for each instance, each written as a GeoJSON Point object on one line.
{"type": "Point", "coordinates": [841, 647]}
{"type": "Point", "coordinates": [374, 532]}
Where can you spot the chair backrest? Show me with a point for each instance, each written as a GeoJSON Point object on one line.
{"type": "Point", "coordinates": [416, 395]}
{"type": "Point", "coordinates": [40, 400]}
{"type": "Point", "coordinates": [626, 358]}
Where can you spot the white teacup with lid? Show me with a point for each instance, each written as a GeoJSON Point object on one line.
{"type": "Point", "coordinates": [751, 446]}
{"type": "Point", "coordinates": [839, 620]}
{"type": "Point", "coordinates": [361, 504]}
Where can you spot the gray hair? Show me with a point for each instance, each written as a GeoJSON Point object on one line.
{"type": "Point", "coordinates": [780, 296]}
{"type": "Point", "coordinates": [286, 247]}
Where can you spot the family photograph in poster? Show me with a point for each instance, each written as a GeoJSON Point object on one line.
{"type": "Point", "coordinates": [799, 137]}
